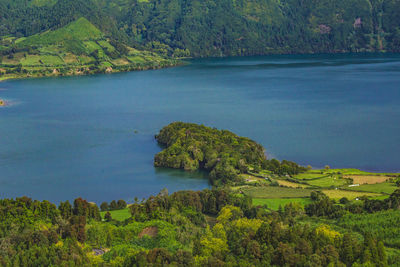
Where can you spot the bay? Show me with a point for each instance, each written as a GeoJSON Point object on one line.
{"type": "Point", "coordinates": [93, 136]}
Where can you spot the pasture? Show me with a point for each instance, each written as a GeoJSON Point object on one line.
{"type": "Point", "coordinates": [119, 215]}
{"type": "Point", "coordinates": [385, 188]}
{"type": "Point", "coordinates": [368, 179]}
{"type": "Point", "coordinates": [338, 194]}
{"type": "Point", "coordinates": [274, 203]}
{"type": "Point", "coordinates": [328, 181]}
{"type": "Point", "coordinates": [275, 192]}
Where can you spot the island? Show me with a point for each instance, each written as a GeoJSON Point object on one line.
{"type": "Point", "coordinates": [222, 153]}
{"type": "Point", "coordinates": [2, 102]}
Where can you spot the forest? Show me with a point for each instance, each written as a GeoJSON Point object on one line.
{"type": "Point", "coordinates": [219, 28]}
{"type": "Point", "coordinates": [188, 228]}
{"type": "Point", "coordinates": [223, 154]}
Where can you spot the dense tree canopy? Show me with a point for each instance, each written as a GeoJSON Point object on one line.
{"type": "Point", "coordinates": [222, 153]}
{"type": "Point", "coordinates": [186, 228]}
{"type": "Point", "coordinates": [220, 28]}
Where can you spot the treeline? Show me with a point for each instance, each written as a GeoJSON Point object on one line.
{"type": "Point", "coordinates": [114, 205]}
{"type": "Point", "coordinates": [323, 206]}
{"type": "Point", "coordinates": [186, 228]}
{"type": "Point", "coordinates": [223, 27]}
{"type": "Point", "coordinates": [221, 153]}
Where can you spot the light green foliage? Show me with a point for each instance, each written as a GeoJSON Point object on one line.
{"type": "Point", "coordinates": [229, 213]}
{"type": "Point", "coordinates": [80, 29]}
{"type": "Point", "coordinates": [106, 45]}
{"type": "Point", "coordinates": [384, 225]}
{"type": "Point", "coordinates": [106, 235]}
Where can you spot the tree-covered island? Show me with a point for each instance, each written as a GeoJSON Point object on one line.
{"type": "Point", "coordinates": [222, 153]}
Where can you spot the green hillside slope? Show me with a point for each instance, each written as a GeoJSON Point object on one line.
{"type": "Point", "coordinates": [80, 29]}
{"type": "Point", "coordinates": [78, 48]}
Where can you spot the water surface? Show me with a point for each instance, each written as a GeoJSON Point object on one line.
{"type": "Point", "coordinates": [93, 136]}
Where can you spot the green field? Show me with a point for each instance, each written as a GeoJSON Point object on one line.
{"type": "Point", "coordinates": [80, 29]}
{"type": "Point", "coordinates": [338, 194]}
{"type": "Point", "coordinates": [309, 175]}
{"type": "Point", "coordinates": [275, 192]}
{"type": "Point", "coordinates": [385, 188]}
{"type": "Point", "coordinates": [274, 203]}
{"type": "Point", "coordinates": [119, 215]}
{"type": "Point", "coordinates": [328, 181]}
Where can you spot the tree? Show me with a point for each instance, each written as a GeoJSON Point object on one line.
{"type": "Point", "coordinates": [107, 217]}
{"type": "Point", "coordinates": [65, 209]}
{"type": "Point", "coordinates": [104, 206]}
{"type": "Point", "coordinates": [121, 204]}
{"type": "Point", "coordinates": [113, 205]}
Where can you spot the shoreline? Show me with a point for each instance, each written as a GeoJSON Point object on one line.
{"type": "Point", "coordinates": [86, 71]}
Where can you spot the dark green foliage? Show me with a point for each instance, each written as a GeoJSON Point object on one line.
{"type": "Point", "coordinates": [177, 230]}
{"type": "Point", "coordinates": [104, 206]}
{"type": "Point", "coordinates": [223, 154]}
{"type": "Point", "coordinates": [107, 216]}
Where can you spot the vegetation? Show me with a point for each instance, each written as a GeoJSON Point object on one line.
{"type": "Point", "coordinates": [277, 203]}
{"type": "Point", "coordinates": [168, 29]}
{"type": "Point", "coordinates": [118, 215]}
{"type": "Point", "coordinates": [187, 228]}
{"type": "Point", "coordinates": [254, 217]}
{"type": "Point", "coordinates": [75, 49]}
{"type": "Point", "coordinates": [223, 154]}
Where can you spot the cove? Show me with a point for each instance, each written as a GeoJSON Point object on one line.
{"type": "Point", "coordinates": [93, 136]}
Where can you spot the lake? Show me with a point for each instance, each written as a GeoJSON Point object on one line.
{"type": "Point", "coordinates": [93, 136]}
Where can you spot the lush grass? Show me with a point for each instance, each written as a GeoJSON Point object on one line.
{"type": "Point", "coordinates": [309, 175]}
{"type": "Point", "coordinates": [80, 29]}
{"type": "Point", "coordinates": [338, 194]}
{"type": "Point", "coordinates": [106, 45]}
{"type": "Point", "coordinates": [136, 59]}
{"type": "Point", "coordinates": [274, 203]}
{"type": "Point", "coordinates": [350, 171]}
{"type": "Point", "coordinates": [275, 192]}
{"type": "Point", "coordinates": [386, 188]}
{"type": "Point", "coordinates": [92, 46]}
{"type": "Point", "coordinates": [328, 181]}
{"type": "Point", "coordinates": [119, 215]}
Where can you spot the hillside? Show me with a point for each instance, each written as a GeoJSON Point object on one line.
{"type": "Point", "coordinates": [220, 28]}
{"type": "Point", "coordinates": [77, 48]}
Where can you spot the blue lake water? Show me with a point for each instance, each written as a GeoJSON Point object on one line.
{"type": "Point", "coordinates": [62, 138]}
